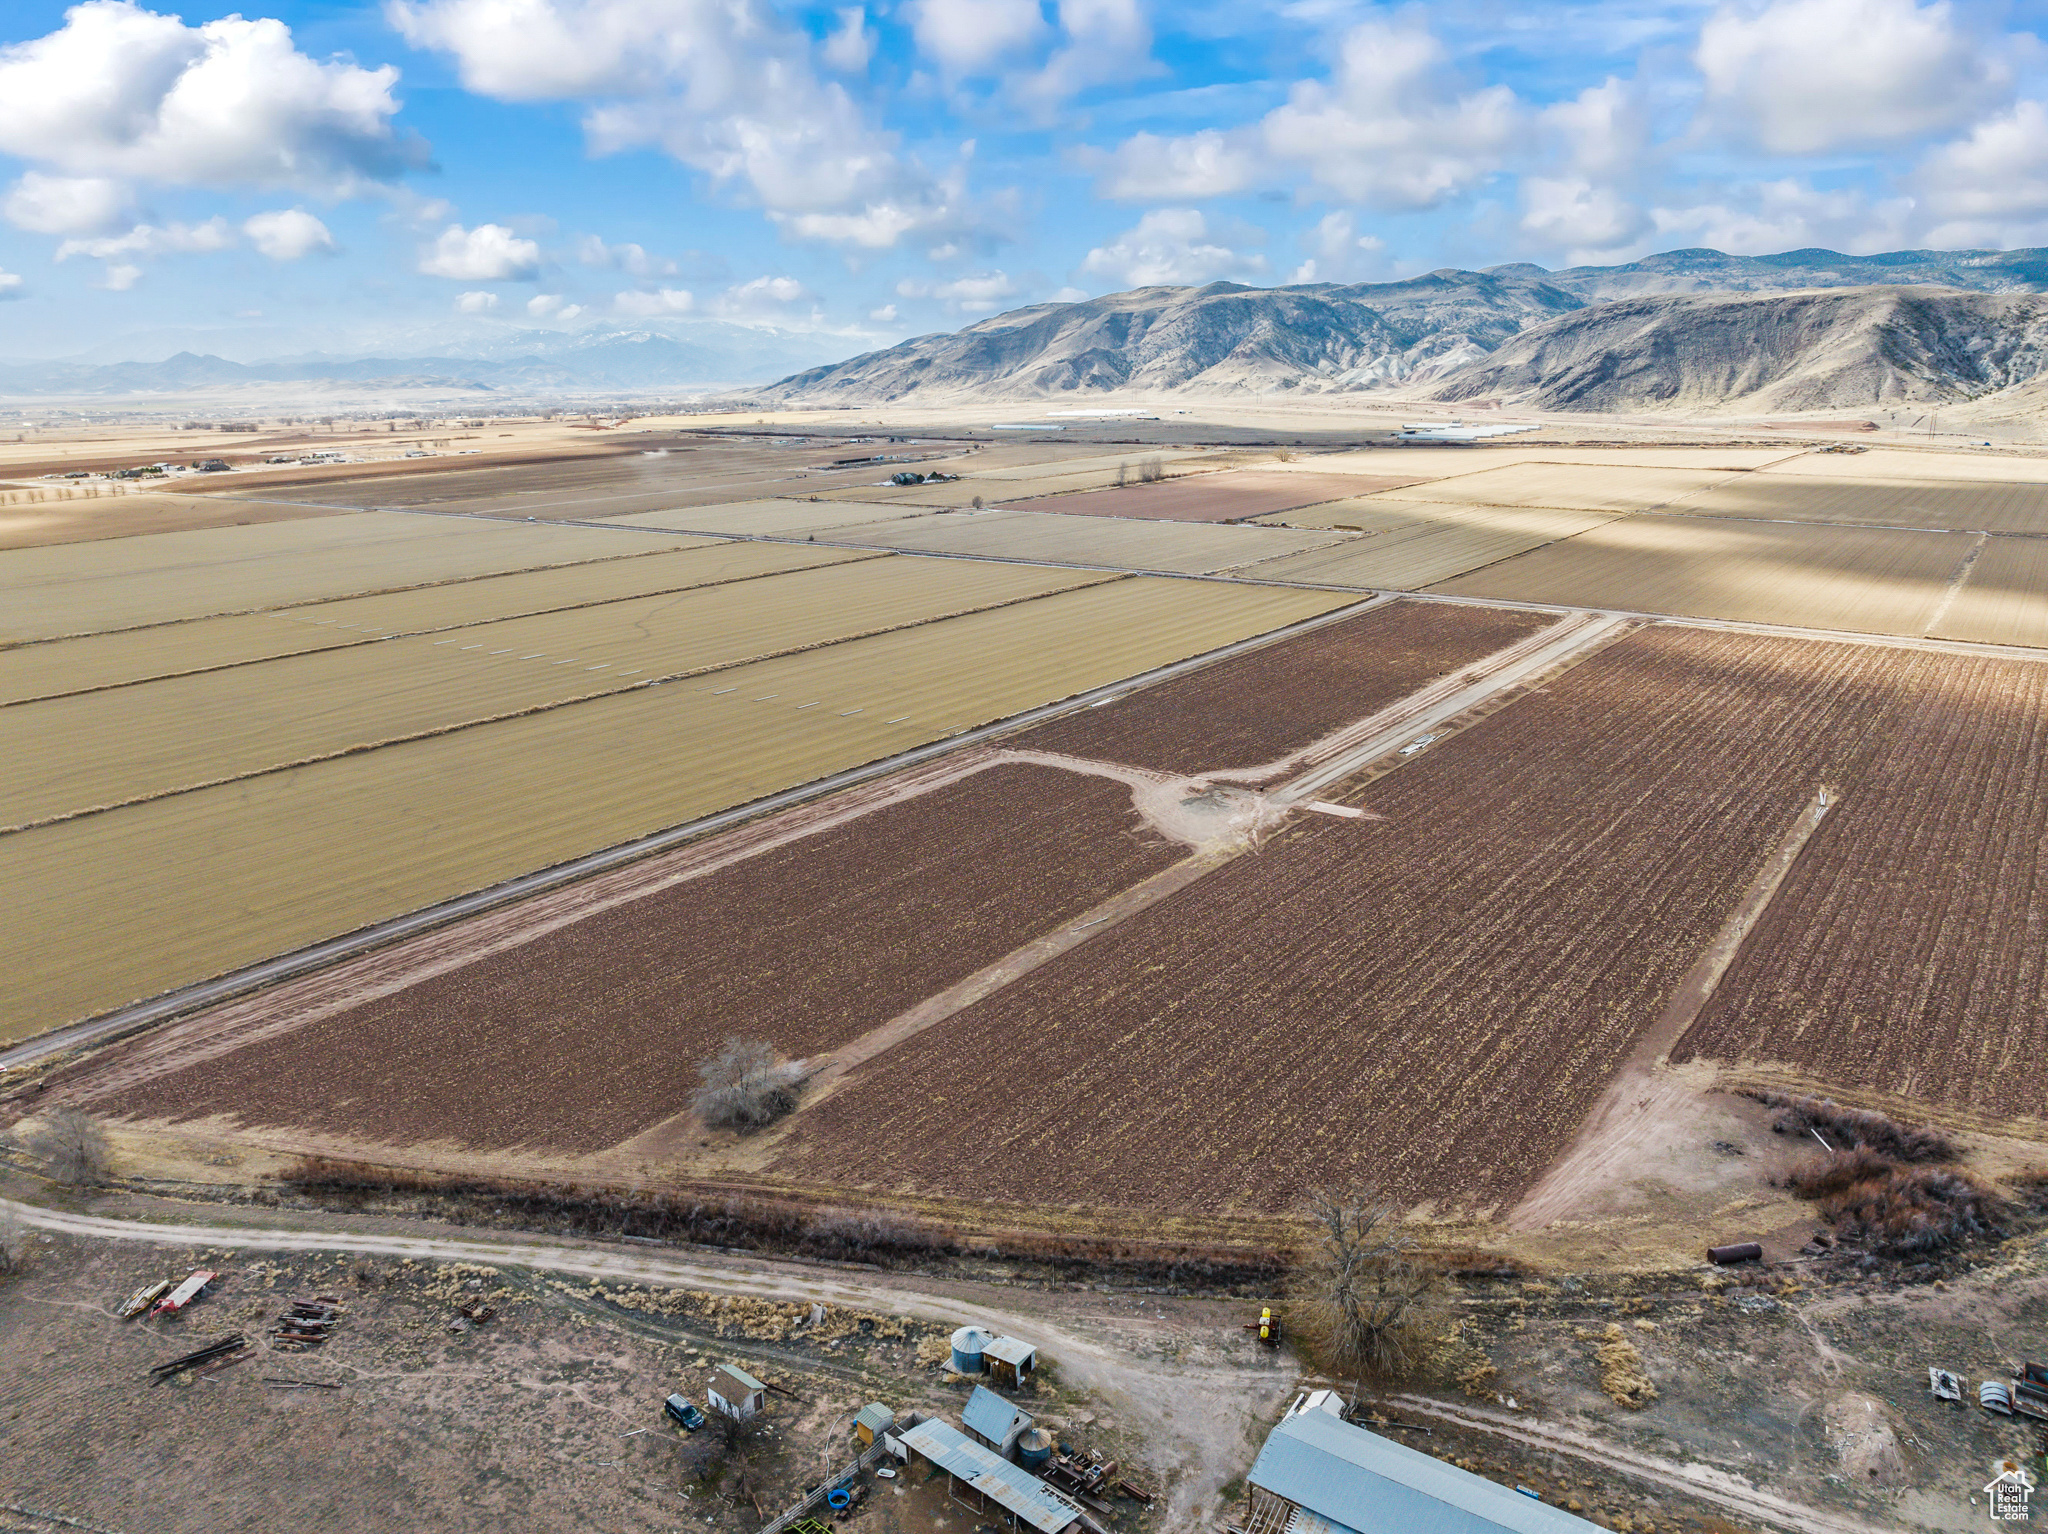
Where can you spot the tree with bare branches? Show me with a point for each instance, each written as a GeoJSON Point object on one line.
{"type": "Point", "coordinates": [747, 1086]}
{"type": "Point", "coordinates": [1365, 1304]}
{"type": "Point", "coordinates": [72, 1147]}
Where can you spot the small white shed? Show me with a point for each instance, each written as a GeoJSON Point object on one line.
{"type": "Point", "coordinates": [736, 1393]}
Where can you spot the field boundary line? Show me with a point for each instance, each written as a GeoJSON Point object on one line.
{"type": "Point", "coordinates": [362, 747]}
{"type": "Point", "coordinates": [1639, 1091]}
{"type": "Point", "coordinates": [150, 1011]}
{"type": "Point", "coordinates": [1695, 1480]}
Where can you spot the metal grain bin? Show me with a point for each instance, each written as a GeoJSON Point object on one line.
{"type": "Point", "coordinates": [1034, 1449]}
{"type": "Point", "coordinates": [968, 1344]}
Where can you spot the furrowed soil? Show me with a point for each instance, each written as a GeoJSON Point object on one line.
{"type": "Point", "coordinates": [587, 1035]}
{"type": "Point", "coordinates": [1907, 952]}
{"type": "Point", "coordinates": [1258, 707]}
{"type": "Point", "coordinates": [1430, 1001]}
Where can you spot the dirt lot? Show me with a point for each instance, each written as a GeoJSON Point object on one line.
{"type": "Point", "coordinates": [807, 945]}
{"type": "Point", "coordinates": [1230, 496]}
{"type": "Point", "coordinates": [1258, 707]}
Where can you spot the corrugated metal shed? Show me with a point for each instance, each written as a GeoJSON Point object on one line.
{"type": "Point", "coordinates": [1361, 1481]}
{"type": "Point", "coordinates": [875, 1417]}
{"type": "Point", "coordinates": [1011, 1351]}
{"type": "Point", "coordinates": [1014, 1490]}
{"type": "Point", "coordinates": [745, 1380]}
{"type": "Point", "coordinates": [994, 1418]}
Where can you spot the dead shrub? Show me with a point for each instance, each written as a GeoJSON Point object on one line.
{"type": "Point", "coordinates": [1851, 1128]}
{"type": "Point", "coordinates": [72, 1147]}
{"type": "Point", "coordinates": [13, 1246]}
{"type": "Point", "coordinates": [1622, 1378]}
{"type": "Point", "coordinates": [1899, 1211]}
{"type": "Point", "coordinates": [1151, 471]}
{"type": "Point", "coordinates": [747, 1086]}
{"type": "Point", "coordinates": [1364, 1305]}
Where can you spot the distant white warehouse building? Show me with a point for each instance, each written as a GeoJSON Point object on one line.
{"type": "Point", "coordinates": [1320, 1475]}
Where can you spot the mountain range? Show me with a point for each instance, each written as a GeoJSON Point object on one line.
{"type": "Point", "coordinates": [1693, 329]}
{"type": "Point", "coordinates": [598, 359]}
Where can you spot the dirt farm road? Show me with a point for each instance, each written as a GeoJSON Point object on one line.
{"type": "Point", "coordinates": [1202, 1417]}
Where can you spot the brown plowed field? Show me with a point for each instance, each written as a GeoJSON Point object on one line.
{"type": "Point", "coordinates": [1431, 1001]}
{"type": "Point", "coordinates": [1221, 497]}
{"type": "Point", "coordinates": [1260, 706]}
{"type": "Point", "coordinates": [1907, 951]}
{"type": "Point", "coordinates": [587, 1035]}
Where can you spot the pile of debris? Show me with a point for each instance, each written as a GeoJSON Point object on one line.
{"type": "Point", "coordinates": [306, 1324]}
{"type": "Point", "coordinates": [215, 1355]}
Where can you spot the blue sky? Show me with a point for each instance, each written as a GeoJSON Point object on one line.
{"type": "Point", "coordinates": [419, 174]}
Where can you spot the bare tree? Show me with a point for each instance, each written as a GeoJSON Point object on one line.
{"type": "Point", "coordinates": [736, 1438]}
{"type": "Point", "coordinates": [72, 1147]}
{"type": "Point", "coordinates": [1123, 475]}
{"type": "Point", "coordinates": [1151, 471]}
{"type": "Point", "coordinates": [1365, 1303]}
{"type": "Point", "coordinates": [747, 1085]}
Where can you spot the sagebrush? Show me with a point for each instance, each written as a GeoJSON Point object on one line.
{"type": "Point", "coordinates": [1898, 1210]}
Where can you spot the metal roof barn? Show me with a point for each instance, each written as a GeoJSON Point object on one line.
{"type": "Point", "coordinates": [993, 1420]}
{"type": "Point", "coordinates": [1018, 1492]}
{"type": "Point", "coordinates": [1355, 1480]}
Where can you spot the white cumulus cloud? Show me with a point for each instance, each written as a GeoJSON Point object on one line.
{"type": "Point", "coordinates": [552, 306]}
{"type": "Point", "coordinates": [120, 278]}
{"type": "Point", "coordinates": [852, 44]}
{"type": "Point", "coordinates": [476, 303]}
{"type": "Point", "coordinates": [288, 234]}
{"type": "Point", "coordinates": [1339, 253]}
{"type": "Point", "coordinates": [1391, 129]}
{"type": "Point", "coordinates": [150, 240]}
{"type": "Point", "coordinates": [122, 91]}
{"type": "Point", "coordinates": [967, 36]}
{"type": "Point", "coordinates": [11, 285]}
{"type": "Point", "coordinates": [1809, 76]}
{"type": "Point", "coordinates": [980, 293]}
{"type": "Point", "coordinates": [651, 305]}
{"type": "Point", "coordinates": [728, 87]}
{"type": "Point", "coordinates": [487, 253]}
{"type": "Point", "coordinates": [628, 258]}
{"type": "Point", "coordinates": [1169, 246]}
{"type": "Point", "coordinates": [66, 204]}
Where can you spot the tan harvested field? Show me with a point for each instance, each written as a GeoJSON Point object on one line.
{"type": "Point", "coordinates": [2004, 599]}
{"type": "Point", "coordinates": [811, 944]}
{"type": "Point", "coordinates": [1353, 516]}
{"type": "Point", "coordinates": [64, 756]}
{"type": "Point", "coordinates": [33, 518]}
{"type": "Point", "coordinates": [84, 588]}
{"type": "Point", "coordinates": [1442, 542]}
{"type": "Point", "coordinates": [1428, 1002]}
{"type": "Point", "coordinates": [761, 519]}
{"type": "Point", "coordinates": [993, 490]}
{"type": "Point", "coordinates": [1876, 581]}
{"type": "Point", "coordinates": [1228, 496]}
{"type": "Point", "coordinates": [1125, 545]}
{"type": "Point", "coordinates": [141, 899]}
{"type": "Point", "coordinates": [1565, 486]}
{"type": "Point", "coordinates": [1921, 463]}
{"type": "Point", "coordinates": [1904, 955]}
{"type": "Point", "coordinates": [1979, 506]}
{"type": "Point", "coordinates": [1439, 462]}
{"type": "Point", "coordinates": [1095, 461]}
{"type": "Point", "coordinates": [59, 666]}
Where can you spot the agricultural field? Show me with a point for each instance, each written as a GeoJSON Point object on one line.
{"type": "Point", "coordinates": [1432, 545]}
{"type": "Point", "coordinates": [1257, 707]}
{"type": "Point", "coordinates": [1566, 487]}
{"type": "Point", "coordinates": [760, 519]}
{"type": "Point", "coordinates": [66, 756]}
{"type": "Point", "coordinates": [1230, 496]}
{"type": "Point", "coordinates": [1108, 542]}
{"type": "Point", "coordinates": [37, 517]}
{"type": "Point", "coordinates": [2004, 598]}
{"type": "Point", "coordinates": [809, 944]}
{"type": "Point", "coordinates": [1868, 580]}
{"type": "Point", "coordinates": [149, 896]}
{"type": "Point", "coordinates": [55, 667]}
{"type": "Point", "coordinates": [1430, 1001]}
{"type": "Point", "coordinates": [1903, 955]}
{"type": "Point", "coordinates": [89, 588]}
{"type": "Point", "coordinates": [1980, 506]}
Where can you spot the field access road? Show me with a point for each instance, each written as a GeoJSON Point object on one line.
{"type": "Point", "coordinates": [1202, 1419]}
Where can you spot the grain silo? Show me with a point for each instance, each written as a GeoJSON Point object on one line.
{"type": "Point", "coordinates": [968, 1345]}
